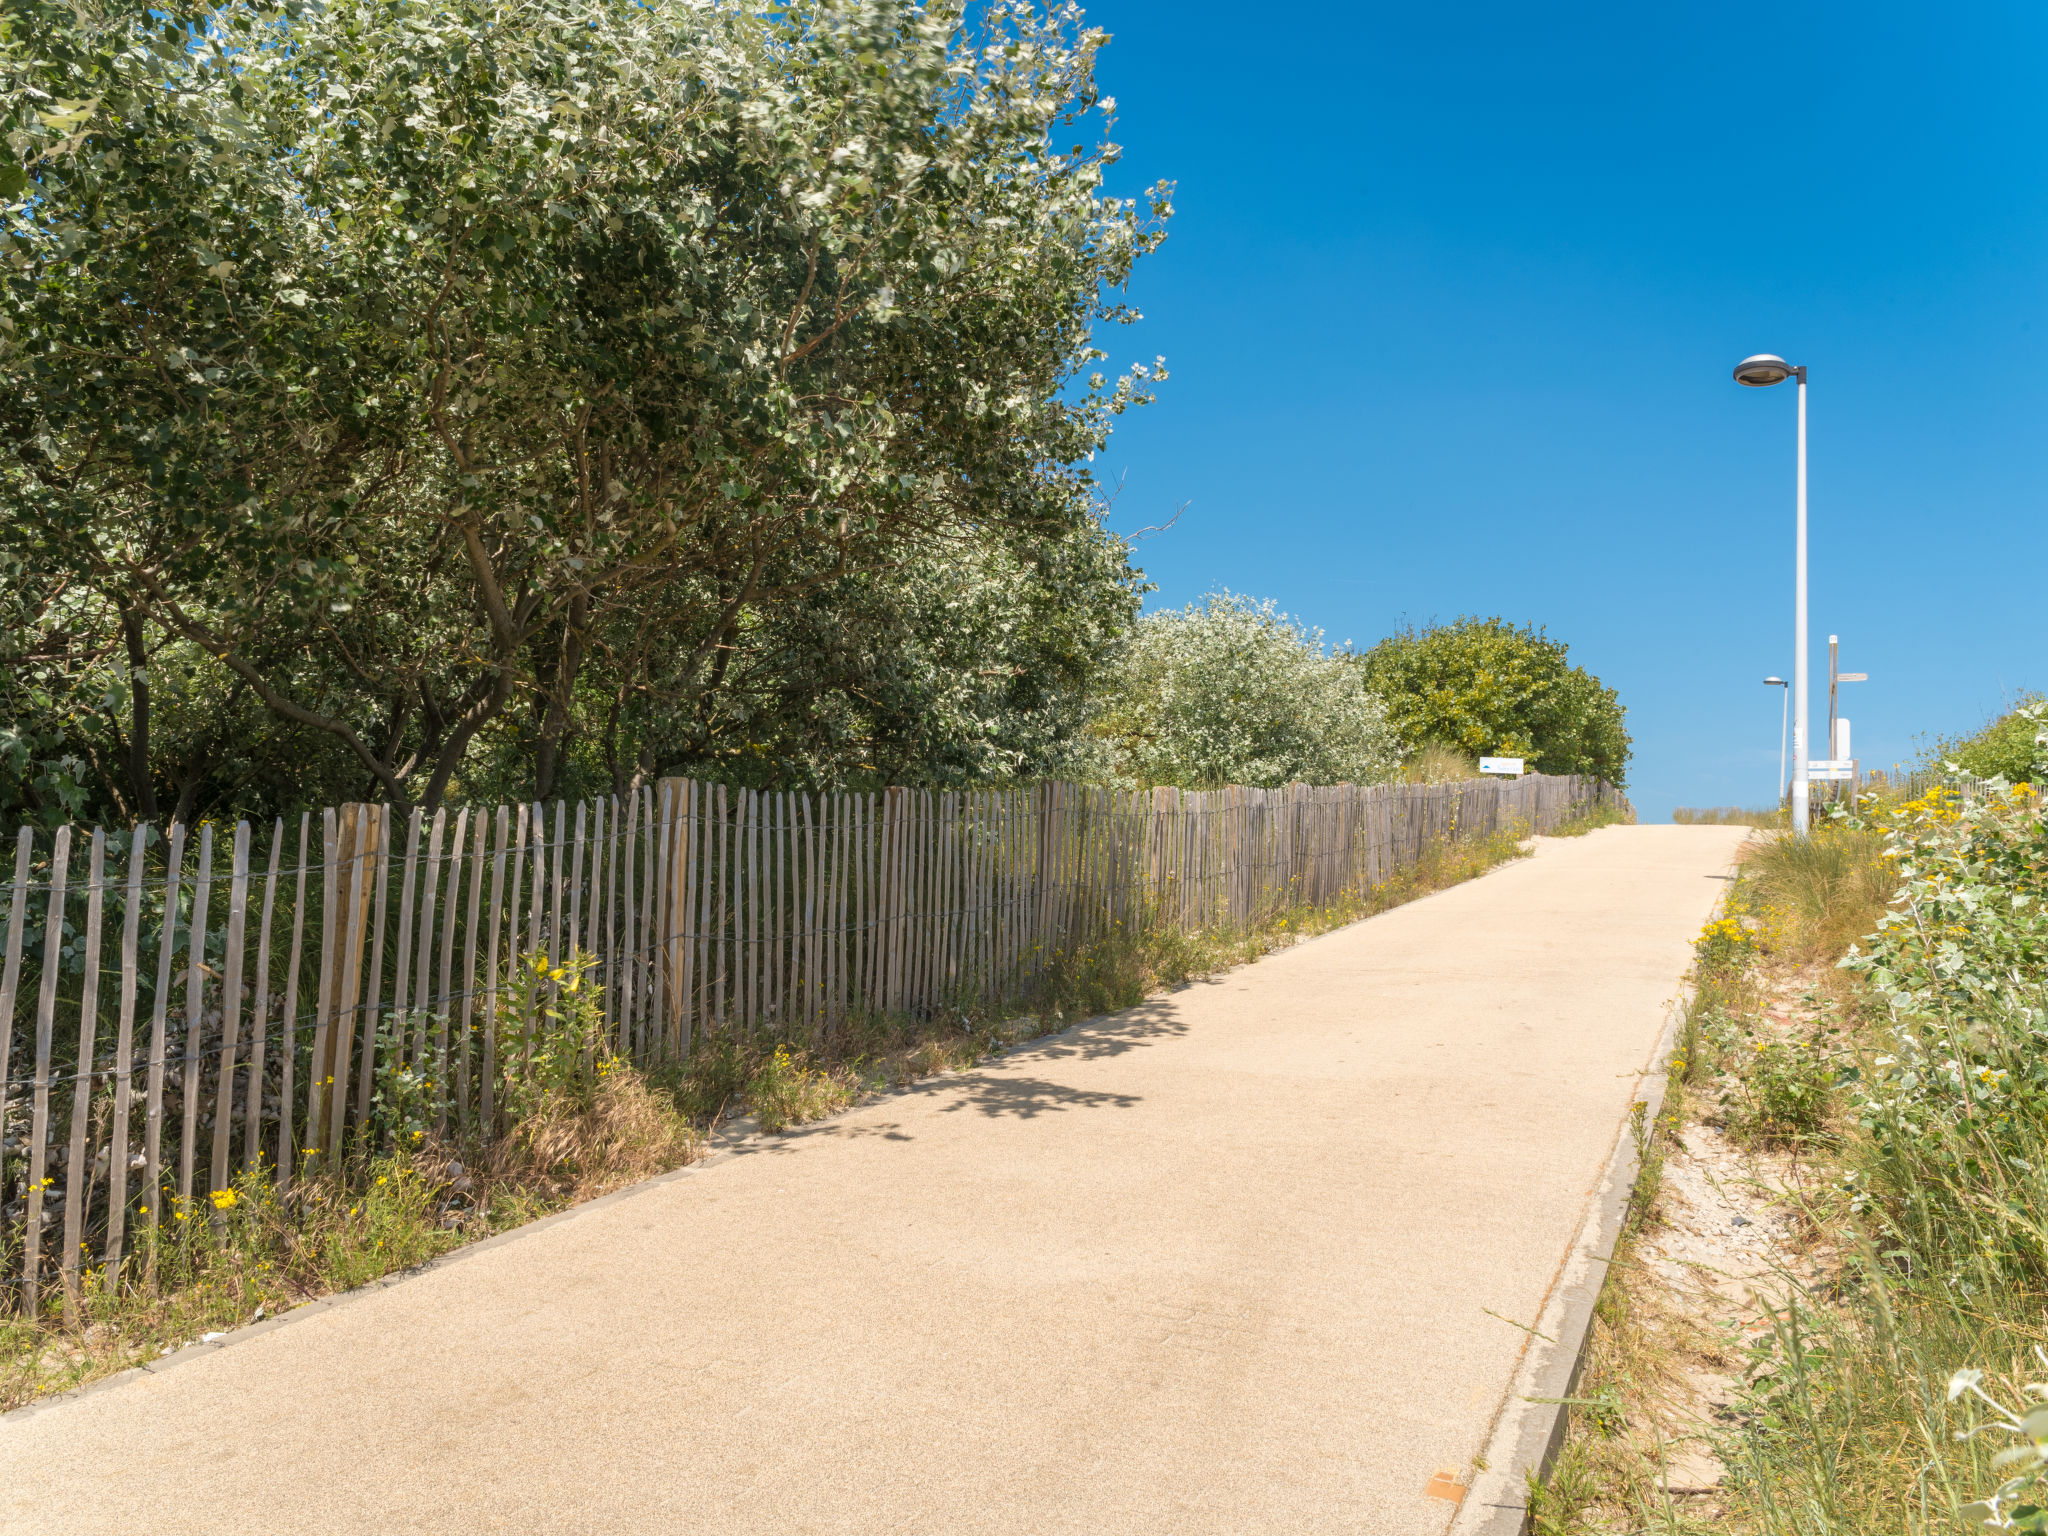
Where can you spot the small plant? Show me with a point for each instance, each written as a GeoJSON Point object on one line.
{"type": "Point", "coordinates": [788, 1088]}
{"type": "Point", "coordinates": [1783, 1092]}
{"type": "Point", "coordinates": [403, 1099]}
{"type": "Point", "coordinates": [1724, 945]}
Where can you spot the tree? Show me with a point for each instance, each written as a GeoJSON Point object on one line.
{"type": "Point", "coordinates": [1231, 691]}
{"type": "Point", "coordinates": [433, 371]}
{"type": "Point", "coordinates": [1489, 687]}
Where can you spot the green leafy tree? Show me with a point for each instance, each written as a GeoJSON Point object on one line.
{"type": "Point", "coordinates": [439, 372]}
{"type": "Point", "coordinates": [1232, 691]}
{"type": "Point", "coordinates": [1486, 687]}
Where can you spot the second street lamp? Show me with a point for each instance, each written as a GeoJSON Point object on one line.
{"type": "Point", "coordinates": [1760, 372]}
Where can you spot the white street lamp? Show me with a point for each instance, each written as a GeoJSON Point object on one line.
{"type": "Point", "coordinates": [1784, 713]}
{"type": "Point", "coordinates": [1760, 372]}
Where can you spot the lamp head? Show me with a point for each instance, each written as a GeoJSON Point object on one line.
{"type": "Point", "coordinates": [1763, 370]}
{"type": "Point", "coordinates": [1776, 682]}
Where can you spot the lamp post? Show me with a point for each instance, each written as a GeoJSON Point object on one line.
{"type": "Point", "coordinates": [1784, 714]}
{"type": "Point", "coordinates": [1760, 372]}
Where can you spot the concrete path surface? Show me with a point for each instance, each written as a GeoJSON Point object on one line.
{"type": "Point", "coordinates": [1222, 1263]}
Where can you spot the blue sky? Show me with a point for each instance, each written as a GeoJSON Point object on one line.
{"type": "Point", "coordinates": [1450, 305]}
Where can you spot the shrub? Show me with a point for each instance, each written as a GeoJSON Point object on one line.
{"type": "Point", "coordinates": [1485, 687]}
{"type": "Point", "coordinates": [2009, 747]}
{"type": "Point", "coordinates": [1232, 691]}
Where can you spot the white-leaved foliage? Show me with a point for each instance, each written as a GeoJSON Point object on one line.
{"type": "Point", "coordinates": [1232, 691]}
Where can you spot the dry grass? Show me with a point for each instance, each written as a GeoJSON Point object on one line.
{"type": "Point", "coordinates": [1608, 815]}
{"type": "Point", "coordinates": [1731, 816]}
{"type": "Point", "coordinates": [1812, 897]}
{"type": "Point", "coordinates": [1435, 764]}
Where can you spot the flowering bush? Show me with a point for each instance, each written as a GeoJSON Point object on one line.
{"type": "Point", "coordinates": [1232, 691]}
{"type": "Point", "coordinates": [1723, 944]}
{"type": "Point", "coordinates": [1959, 963]}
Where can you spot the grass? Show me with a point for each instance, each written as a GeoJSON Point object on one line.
{"type": "Point", "coordinates": [1731, 816]}
{"type": "Point", "coordinates": [1607, 814]}
{"type": "Point", "coordinates": [582, 1124]}
{"type": "Point", "coordinates": [1436, 764]}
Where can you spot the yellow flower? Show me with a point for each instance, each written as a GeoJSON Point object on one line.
{"type": "Point", "coordinates": [224, 1199]}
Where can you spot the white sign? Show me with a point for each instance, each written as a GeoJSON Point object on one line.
{"type": "Point", "coordinates": [1842, 751]}
{"type": "Point", "coordinates": [1840, 768]}
{"type": "Point", "coordinates": [1508, 765]}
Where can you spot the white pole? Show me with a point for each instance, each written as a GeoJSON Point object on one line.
{"type": "Point", "coordinates": [1802, 750]}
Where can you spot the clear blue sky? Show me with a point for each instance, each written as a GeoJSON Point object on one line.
{"type": "Point", "coordinates": [1450, 305]}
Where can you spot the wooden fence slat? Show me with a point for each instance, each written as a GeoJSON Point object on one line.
{"type": "Point", "coordinates": [629, 940]}
{"type": "Point", "coordinates": [39, 1125]}
{"type": "Point", "coordinates": [804, 995]}
{"type": "Point", "coordinates": [558, 849]}
{"type": "Point", "coordinates": [77, 1180]}
{"type": "Point", "coordinates": [751, 912]}
{"type": "Point", "coordinates": [835, 855]}
{"type": "Point", "coordinates": [574, 931]}
{"type": "Point", "coordinates": [533, 832]}
{"type": "Point", "coordinates": [288, 1133]}
{"type": "Point", "coordinates": [487, 1098]}
{"type": "Point", "coordinates": [659, 1024]}
{"type": "Point", "coordinates": [373, 1004]}
{"type": "Point", "coordinates": [777, 835]}
{"type": "Point", "coordinates": [231, 1005]}
{"type": "Point", "coordinates": [355, 878]}
{"type": "Point", "coordinates": [593, 920]}
{"type": "Point", "coordinates": [469, 988]}
{"type": "Point", "coordinates": [323, 1004]}
{"type": "Point", "coordinates": [259, 1037]}
{"type": "Point", "coordinates": [616, 1013]}
{"type": "Point", "coordinates": [10, 968]}
{"type": "Point", "coordinates": [690, 842]}
{"type": "Point", "coordinates": [445, 1002]}
{"type": "Point", "coordinates": [195, 1017]}
{"type": "Point", "coordinates": [401, 995]}
{"type": "Point", "coordinates": [422, 996]}
{"type": "Point", "coordinates": [124, 1059]}
{"type": "Point", "coordinates": [159, 1029]}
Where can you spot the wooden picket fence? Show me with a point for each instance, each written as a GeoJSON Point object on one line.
{"type": "Point", "coordinates": [264, 983]}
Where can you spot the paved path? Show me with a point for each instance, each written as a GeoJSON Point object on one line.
{"type": "Point", "coordinates": [1219, 1264]}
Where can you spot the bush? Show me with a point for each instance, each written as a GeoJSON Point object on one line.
{"type": "Point", "coordinates": [1485, 687]}
{"type": "Point", "coordinates": [1231, 691]}
{"type": "Point", "coordinates": [2009, 747]}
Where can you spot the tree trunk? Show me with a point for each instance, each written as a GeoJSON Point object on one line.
{"type": "Point", "coordinates": [141, 785]}
{"type": "Point", "coordinates": [554, 728]}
